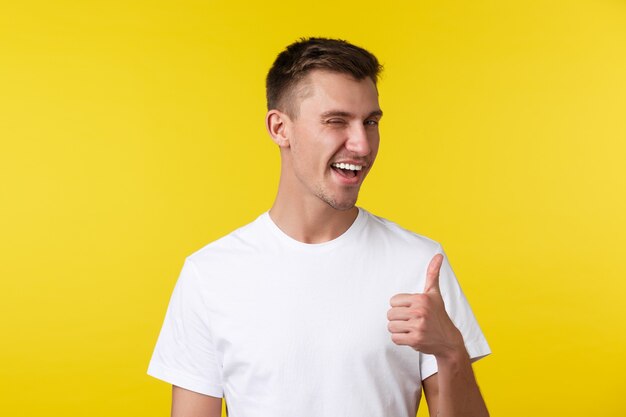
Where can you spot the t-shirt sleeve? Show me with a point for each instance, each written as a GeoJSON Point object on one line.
{"type": "Point", "coordinates": [461, 315]}
{"type": "Point", "coordinates": [184, 354]}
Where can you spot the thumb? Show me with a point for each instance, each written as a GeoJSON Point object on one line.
{"type": "Point", "coordinates": [432, 274]}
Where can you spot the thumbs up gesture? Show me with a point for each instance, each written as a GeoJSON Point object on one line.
{"type": "Point", "coordinates": [421, 321]}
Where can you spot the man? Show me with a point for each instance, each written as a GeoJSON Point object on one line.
{"type": "Point", "coordinates": [319, 308]}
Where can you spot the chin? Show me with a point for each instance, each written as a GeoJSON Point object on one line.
{"type": "Point", "coordinates": [339, 200]}
{"type": "Point", "coordinates": [343, 205]}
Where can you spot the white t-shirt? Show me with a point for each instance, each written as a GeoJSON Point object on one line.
{"type": "Point", "coordinates": [281, 328]}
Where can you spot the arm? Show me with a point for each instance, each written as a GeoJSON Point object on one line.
{"type": "Point", "coordinates": [187, 403]}
{"type": "Point", "coordinates": [453, 390]}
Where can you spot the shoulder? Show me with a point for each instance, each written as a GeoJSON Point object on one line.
{"type": "Point", "coordinates": [394, 234]}
{"type": "Point", "coordinates": [245, 240]}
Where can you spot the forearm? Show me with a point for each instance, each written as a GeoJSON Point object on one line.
{"type": "Point", "coordinates": [459, 395]}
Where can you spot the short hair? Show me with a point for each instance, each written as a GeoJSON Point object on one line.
{"type": "Point", "coordinates": [307, 54]}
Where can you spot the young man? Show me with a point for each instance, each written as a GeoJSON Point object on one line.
{"type": "Point", "coordinates": [319, 308]}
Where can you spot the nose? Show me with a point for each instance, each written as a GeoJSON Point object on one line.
{"type": "Point", "coordinates": [358, 140]}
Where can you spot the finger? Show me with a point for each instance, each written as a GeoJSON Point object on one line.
{"type": "Point", "coordinates": [400, 313]}
{"type": "Point", "coordinates": [399, 326]}
{"type": "Point", "coordinates": [432, 274]}
{"type": "Point", "coordinates": [401, 338]}
{"type": "Point", "coordinates": [401, 300]}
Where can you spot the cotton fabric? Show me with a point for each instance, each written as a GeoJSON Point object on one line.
{"type": "Point", "coordinates": [281, 328]}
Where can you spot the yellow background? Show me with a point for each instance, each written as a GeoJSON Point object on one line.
{"type": "Point", "coordinates": [132, 135]}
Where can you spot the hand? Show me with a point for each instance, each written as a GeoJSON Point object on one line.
{"type": "Point", "coordinates": [421, 321]}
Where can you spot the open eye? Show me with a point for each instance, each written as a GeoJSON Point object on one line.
{"type": "Point", "coordinates": [371, 122]}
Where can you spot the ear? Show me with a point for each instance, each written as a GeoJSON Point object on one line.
{"type": "Point", "coordinates": [276, 123]}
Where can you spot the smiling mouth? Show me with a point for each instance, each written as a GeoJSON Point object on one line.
{"type": "Point", "coordinates": [346, 170]}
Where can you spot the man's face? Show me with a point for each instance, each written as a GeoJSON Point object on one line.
{"type": "Point", "coordinates": [334, 140]}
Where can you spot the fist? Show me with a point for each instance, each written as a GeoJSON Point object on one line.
{"type": "Point", "coordinates": [421, 320]}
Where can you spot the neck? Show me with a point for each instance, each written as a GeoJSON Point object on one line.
{"type": "Point", "coordinates": [310, 221]}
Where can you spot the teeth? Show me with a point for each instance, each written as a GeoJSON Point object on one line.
{"type": "Point", "coordinates": [348, 166]}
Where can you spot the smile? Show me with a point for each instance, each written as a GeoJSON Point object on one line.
{"type": "Point", "coordinates": [349, 174]}
{"type": "Point", "coordinates": [347, 166]}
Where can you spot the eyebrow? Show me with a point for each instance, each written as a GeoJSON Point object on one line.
{"type": "Point", "coordinates": [340, 113]}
